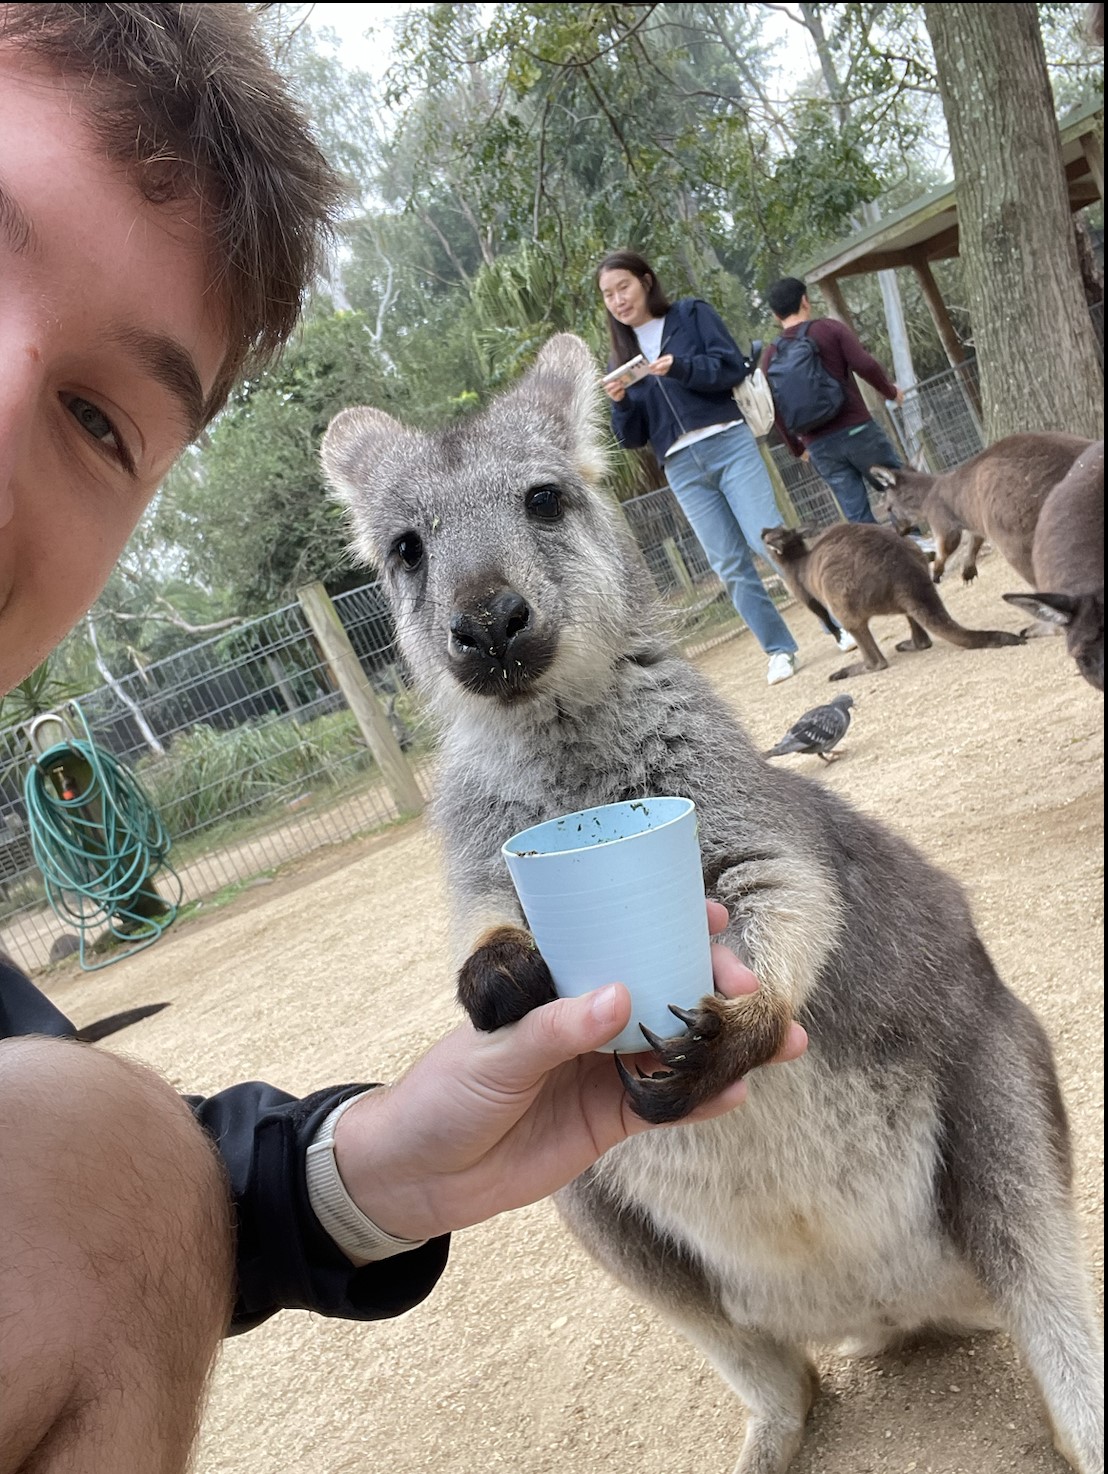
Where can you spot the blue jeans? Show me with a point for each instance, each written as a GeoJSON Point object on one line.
{"type": "Point", "coordinates": [843, 459]}
{"type": "Point", "coordinates": [724, 490]}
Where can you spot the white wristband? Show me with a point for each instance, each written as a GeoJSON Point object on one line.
{"type": "Point", "coordinates": [357, 1236]}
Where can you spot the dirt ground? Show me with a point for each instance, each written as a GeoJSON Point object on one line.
{"type": "Point", "coordinates": [526, 1357]}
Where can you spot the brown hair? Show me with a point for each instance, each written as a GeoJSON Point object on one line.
{"type": "Point", "coordinates": [186, 99]}
{"type": "Point", "coordinates": [624, 343]}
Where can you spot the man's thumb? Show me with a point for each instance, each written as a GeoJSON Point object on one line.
{"type": "Point", "coordinates": [571, 1026]}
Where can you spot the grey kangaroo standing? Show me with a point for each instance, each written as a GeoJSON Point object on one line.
{"type": "Point", "coordinates": [997, 494]}
{"type": "Point", "coordinates": [859, 572]}
{"type": "Point", "coordinates": [913, 1168]}
{"type": "Point", "coordinates": [1068, 563]}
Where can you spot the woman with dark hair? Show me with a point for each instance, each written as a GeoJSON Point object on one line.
{"type": "Point", "coordinates": [684, 408]}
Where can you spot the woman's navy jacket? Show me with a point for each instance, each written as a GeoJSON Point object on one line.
{"type": "Point", "coordinates": [696, 393]}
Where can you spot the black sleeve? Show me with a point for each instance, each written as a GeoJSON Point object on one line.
{"type": "Point", "coordinates": [24, 1010]}
{"type": "Point", "coordinates": [284, 1258]}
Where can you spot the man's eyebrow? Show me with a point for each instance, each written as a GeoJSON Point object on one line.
{"type": "Point", "coordinates": [172, 367]}
{"type": "Point", "coordinates": [15, 225]}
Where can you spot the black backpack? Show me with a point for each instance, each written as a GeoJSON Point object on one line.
{"type": "Point", "coordinates": [805, 394]}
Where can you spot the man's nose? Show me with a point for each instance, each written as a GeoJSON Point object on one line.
{"type": "Point", "coordinates": [21, 375]}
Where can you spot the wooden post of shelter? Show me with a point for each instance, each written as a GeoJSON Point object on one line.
{"type": "Point", "coordinates": [947, 336]}
{"type": "Point", "coordinates": [346, 668]}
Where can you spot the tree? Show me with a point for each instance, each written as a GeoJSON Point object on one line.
{"type": "Point", "coordinates": [1036, 349]}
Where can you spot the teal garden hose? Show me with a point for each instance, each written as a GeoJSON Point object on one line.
{"type": "Point", "coordinates": [99, 843]}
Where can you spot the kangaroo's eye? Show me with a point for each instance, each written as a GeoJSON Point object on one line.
{"type": "Point", "coordinates": [544, 502]}
{"type": "Point", "coordinates": [408, 547]}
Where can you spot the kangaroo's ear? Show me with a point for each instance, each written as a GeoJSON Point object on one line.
{"type": "Point", "coordinates": [1050, 608]}
{"type": "Point", "coordinates": [883, 476]}
{"type": "Point", "coordinates": [563, 383]}
{"type": "Point", "coordinates": [353, 444]}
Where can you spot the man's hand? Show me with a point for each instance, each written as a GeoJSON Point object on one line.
{"type": "Point", "coordinates": [488, 1122]}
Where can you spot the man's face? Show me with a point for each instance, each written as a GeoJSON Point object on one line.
{"type": "Point", "coordinates": [109, 343]}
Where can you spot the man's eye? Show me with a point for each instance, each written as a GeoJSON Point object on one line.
{"type": "Point", "coordinates": [94, 422]}
{"type": "Point", "coordinates": [545, 503]}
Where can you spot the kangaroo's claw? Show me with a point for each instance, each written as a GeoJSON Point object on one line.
{"type": "Point", "coordinates": [723, 1041]}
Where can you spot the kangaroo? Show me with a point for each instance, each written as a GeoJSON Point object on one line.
{"type": "Point", "coordinates": [859, 571]}
{"type": "Point", "coordinates": [913, 1167]}
{"type": "Point", "coordinates": [996, 495]}
{"type": "Point", "coordinates": [1068, 563]}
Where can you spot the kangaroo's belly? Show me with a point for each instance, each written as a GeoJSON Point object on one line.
{"type": "Point", "coordinates": [811, 1208]}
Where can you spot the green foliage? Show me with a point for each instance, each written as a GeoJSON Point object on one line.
{"type": "Point", "coordinates": [43, 690]}
{"type": "Point", "coordinates": [210, 777]}
{"type": "Point", "coordinates": [251, 509]}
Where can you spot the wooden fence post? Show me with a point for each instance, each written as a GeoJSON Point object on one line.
{"type": "Point", "coordinates": [344, 665]}
{"type": "Point", "coordinates": [780, 491]}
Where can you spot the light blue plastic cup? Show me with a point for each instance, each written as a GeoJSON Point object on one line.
{"type": "Point", "coordinates": [616, 895]}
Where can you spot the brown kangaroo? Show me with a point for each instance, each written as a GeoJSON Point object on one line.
{"type": "Point", "coordinates": [996, 495]}
{"type": "Point", "coordinates": [1068, 558]}
{"type": "Point", "coordinates": [858, 571]}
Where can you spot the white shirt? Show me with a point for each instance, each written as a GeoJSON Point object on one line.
{"type": "Point", "coordinates": [649, 337]}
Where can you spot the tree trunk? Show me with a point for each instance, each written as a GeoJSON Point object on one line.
{"type": "Point", "coordinates": [1036, 351]}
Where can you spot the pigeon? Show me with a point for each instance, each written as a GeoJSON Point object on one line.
{"type": "Point", "coordinates": [818, 730]}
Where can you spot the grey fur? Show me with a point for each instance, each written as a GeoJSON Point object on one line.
{"type": "Point", "coordinates": [1068, 563]}
{"type": "Point", "coordinates": [913, 1167]}
{"type": "Point", "coordinates": [997, 494]}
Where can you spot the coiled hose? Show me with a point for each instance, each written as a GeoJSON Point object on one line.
{"type": "Point", "coordinates": [99, 843]}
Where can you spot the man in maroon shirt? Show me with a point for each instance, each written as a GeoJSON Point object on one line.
{"type": "Point", "coordinates": [843, 449]}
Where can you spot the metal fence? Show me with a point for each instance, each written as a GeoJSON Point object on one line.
{"type": "Point", "coordinates": [252, 756]}
{"type": "Point", "coordinates": [245, 746]}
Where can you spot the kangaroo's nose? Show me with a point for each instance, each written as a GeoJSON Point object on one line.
{"type": "Point", "coordinates": [489, 628]}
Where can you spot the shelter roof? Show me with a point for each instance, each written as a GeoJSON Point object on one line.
{"type": "Point", "coordinates": [928, 227]}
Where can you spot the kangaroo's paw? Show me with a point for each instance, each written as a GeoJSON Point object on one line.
{"type": "Point", "coordinates": [726, 1038]}
{"type": "Point", "coordinates": [859, 668]}
{"type": "Point", "coordinates": [969, 573]}
{"type": "Point", "coordinates": [503, 978]}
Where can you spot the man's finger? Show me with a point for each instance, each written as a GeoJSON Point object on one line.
{"type": "Point", "coordinates": [732, 977]}
{"type": "Point", "coordinates": [562, 1030]}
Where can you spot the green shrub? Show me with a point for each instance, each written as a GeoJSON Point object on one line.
{"type": "Point", "coordinates": [208, 777]}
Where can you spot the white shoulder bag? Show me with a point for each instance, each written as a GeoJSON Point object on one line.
{"type": "Point", "coordinates": [755, 401]}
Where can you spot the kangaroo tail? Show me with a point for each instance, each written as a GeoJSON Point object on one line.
{"type": "Point", "coordinates": [926, 608]}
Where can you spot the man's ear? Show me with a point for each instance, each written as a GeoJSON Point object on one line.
{"type": "Point", "coordinates": [1050, 608]}
{"type": "Point", "coordinates": [564, 383]}
{"type": "Point", "coordinates": [353, 444]}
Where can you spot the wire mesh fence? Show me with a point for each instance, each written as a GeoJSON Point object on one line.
{"type": "Point", "coordinates": [246, 748]}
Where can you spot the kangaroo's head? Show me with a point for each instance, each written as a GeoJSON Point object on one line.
{"type": "Point", "coordinates": [785, 544]}
{"type": "Point", "coordinates": [509, 573]}
{"type": "Point", "coordinates": [905, 491]}
{"type": "Point", "coordinates": [1081, 617]}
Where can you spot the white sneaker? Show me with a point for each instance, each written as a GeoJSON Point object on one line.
{"type": "Point", "coordinates": [926, 546]}
{"type": "Point", "coordinates": [781, 667]}
{"type": "Point", "coordinates": [846, 641]}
